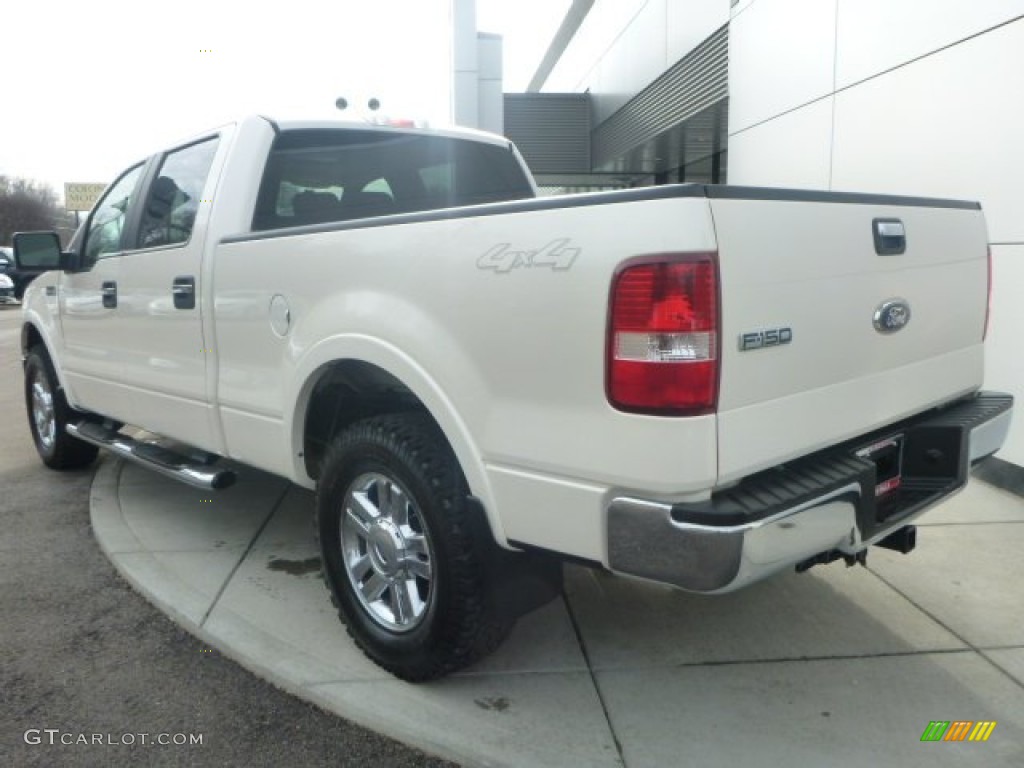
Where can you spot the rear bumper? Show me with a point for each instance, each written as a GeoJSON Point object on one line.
{"type": "Point", "coordinates": [820, 503]}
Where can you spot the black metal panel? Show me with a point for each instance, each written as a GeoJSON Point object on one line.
{"type": "Point", "coordinates": [696, 82]}
{"type": "Point", "coordinates": [552, 130]}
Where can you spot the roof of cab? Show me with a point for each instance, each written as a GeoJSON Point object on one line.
{"type": "Point", "coordinates": [399, 126]}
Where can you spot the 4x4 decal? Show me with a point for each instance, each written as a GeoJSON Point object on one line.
{"type": "Point", "coordinates": [558, 255]}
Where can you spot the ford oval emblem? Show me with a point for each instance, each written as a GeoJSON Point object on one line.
{"type": "Point", "coordinates": [892, 316]}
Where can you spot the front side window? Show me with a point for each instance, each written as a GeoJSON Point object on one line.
{"type": "Point", "coordinates": [175, 195]}
{"type": "Point", "coordinates": [106, 225]}
{"type": "Point", "coordinates": [314, 176]}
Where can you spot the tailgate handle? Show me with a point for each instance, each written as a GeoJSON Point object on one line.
{"type": "Point", "coordinates": [890, 237]}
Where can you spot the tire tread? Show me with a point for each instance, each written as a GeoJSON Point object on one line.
{"type": "Point", "coordinates": [470, 628]}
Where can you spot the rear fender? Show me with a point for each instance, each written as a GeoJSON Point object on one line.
{"type": "Point", "coordinates": [426, 389]}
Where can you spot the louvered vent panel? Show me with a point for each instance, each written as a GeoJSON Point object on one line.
{"type": "Point", "coordinates": [695, 82]}
{"type": "Point", "coordinates": [552, 130]}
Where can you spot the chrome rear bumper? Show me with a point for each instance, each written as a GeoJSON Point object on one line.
{"type": "Point", "coordinates": [819, 504]}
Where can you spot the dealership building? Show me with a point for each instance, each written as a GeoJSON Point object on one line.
{"type": "Point", "coordinates": [882, 96]}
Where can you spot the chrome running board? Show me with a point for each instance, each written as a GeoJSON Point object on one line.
{"type": "Point", "coordinates": [195, 472]}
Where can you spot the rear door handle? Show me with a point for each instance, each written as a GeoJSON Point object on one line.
{"type": "Point", "coordinates": [109, 292]}
{"type": "Point", "coordinates": [184, 291]}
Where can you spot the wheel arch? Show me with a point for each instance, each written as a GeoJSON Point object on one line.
{"type": "Point", "coordinates": [30, 337]}
{"type": "Point", "coordinates": [33, 334]}
{"type": "Point", "coordinates": [344, 379]}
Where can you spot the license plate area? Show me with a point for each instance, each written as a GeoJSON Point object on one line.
{"type": "Point", "coordinates": [887, 456]}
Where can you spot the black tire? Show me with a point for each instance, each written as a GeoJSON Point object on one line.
{"type": "Point", "coordinates": [55, 446]}
{"type": "Point", "coordinates": [458, 620]}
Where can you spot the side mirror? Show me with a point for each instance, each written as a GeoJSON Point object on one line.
{"type": "Point", "coordinates": [41, 252]}
{"type": "Point", "coordinates": [37, 251]}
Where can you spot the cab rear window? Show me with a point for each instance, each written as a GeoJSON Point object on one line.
{"type": "Point", "coordinates": [315, 176]}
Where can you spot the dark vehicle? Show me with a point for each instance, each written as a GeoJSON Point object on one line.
{"type": "Point", "coordinates": [19, 277]}
{"type": "Point", "coordinates": [6, 290]}
{"type": "Point", "coordinates": [6, 284]}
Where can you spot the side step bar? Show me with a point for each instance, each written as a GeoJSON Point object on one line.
{"type": "Point", "coordinates": [194, 472]}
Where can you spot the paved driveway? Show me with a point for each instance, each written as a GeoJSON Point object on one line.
{"type": "Point", "coordinates": [834, 667]}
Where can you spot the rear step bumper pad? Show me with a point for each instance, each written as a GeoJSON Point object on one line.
{"type": "Point", "coordinates": [816, 504]}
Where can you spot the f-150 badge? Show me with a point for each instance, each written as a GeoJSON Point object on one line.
{"type": "Point", "coordinates": [891, 316]}
{"type": "Point", "coordinates": [769, 337]}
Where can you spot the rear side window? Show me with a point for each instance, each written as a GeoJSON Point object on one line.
{"type": "Point", "coordinates": [315, 176]}
{"type": "Point", "coordinates": [175, 195]}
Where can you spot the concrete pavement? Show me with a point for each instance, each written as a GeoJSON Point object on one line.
{"type": "Point", "coordinates": [833, 667]}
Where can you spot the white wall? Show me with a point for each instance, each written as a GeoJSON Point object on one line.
{"type": "Point", "coordinates": [490, 93]}
{"type": "Point", "coordinates": [1004, 359]}
{"type": "Point", "coordinates": [465, 71]}
{"type": "Point", "coordinates": [893, 96]}
{"type": "Point", "coordinates": [781, 55]}
{"type": "Point", "coordinates": [477, 94]}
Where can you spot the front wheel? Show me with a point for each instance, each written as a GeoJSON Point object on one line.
{"type": "Point", "coordinates": [405, 556]}
{"type": "Point", "coordinates": [49, 414]}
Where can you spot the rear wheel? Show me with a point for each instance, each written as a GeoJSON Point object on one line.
{"type": "Point", "coordinates": [405, 557]}
{"type": "Point", "coordinates": [49, 414]}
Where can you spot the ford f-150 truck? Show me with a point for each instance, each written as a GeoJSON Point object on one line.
{"type": "Point", "coordinates": [694, 385]}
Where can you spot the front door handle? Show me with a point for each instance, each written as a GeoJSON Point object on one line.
{"type": "Point", "coordinates": [184, 291]}
{"type": "Point", "coordinates": [109, 292]}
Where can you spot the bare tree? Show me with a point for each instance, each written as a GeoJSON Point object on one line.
{"type": "Point", "coordinates": [27, 205]}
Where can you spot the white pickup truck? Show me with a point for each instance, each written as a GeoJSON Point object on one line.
{"type": "Point", "coordinates": [695, 385]}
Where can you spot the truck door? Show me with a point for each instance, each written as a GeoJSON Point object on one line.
{"type": "Point", "coordinates": [158, 322]}
{"type": "Point", "coordinates": [91, 359]}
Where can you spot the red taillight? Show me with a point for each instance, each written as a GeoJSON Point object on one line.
{"type": "Point", "coordinates": [663, 337]}
{"type": "Point", "coordinates": [988, 301]}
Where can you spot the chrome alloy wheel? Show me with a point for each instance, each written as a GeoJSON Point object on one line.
{"type": "Point", "coordinates": [387, 552]}
{"type": "Point", "coordinates": [43, 415]}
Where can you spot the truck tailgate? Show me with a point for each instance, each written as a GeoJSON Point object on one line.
{"type": "Point", "coordinates": [825, 333]}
